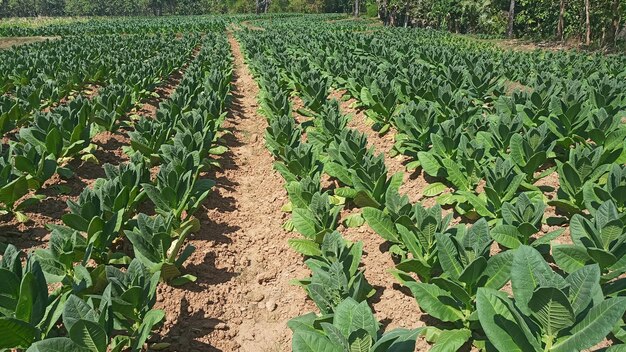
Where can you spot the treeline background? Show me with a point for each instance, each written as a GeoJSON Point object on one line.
{"type": "Point", "coordinates": [594, 22]}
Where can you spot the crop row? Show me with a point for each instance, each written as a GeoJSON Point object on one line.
{"type": "Point", "coordinates": [40, 75]}
{"type": "Point", "coordinates": [132, 25]}
{"type": "Point", "coordinates": [122, 25]}
{"type": "Point", "coordinates": [46, 140]}
{"type": "Point", "coordinates": [106, 260]}
{"type": "Point", "coordinates": [337, 285]}
{"type": "Point", "coordinates": [490, 147]}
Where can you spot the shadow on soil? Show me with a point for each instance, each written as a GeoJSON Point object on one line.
{"type": "Point", "coordinates": [184, 335]}
{"type": "Point", "coordinates": [215, 233]}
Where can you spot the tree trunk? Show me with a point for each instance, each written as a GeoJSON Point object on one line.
{"type": "Point", "coordinates": [356, 8]}
{"type": "Point", "coordinates": [614, 30]}
{"type": "Point", "coordinates": [587, 23]}
{"type": "Point", "coordinates": [561, 24]}
{"type": "Point", "coordinates": [257, 7]}
{"type": "Point", "coordinates": [406, 14]}
{"type": "Point", "coordinates": [384, 13]}
{"type": "Point", "coordinates": [512, 19]}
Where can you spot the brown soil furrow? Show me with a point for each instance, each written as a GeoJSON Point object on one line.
{"type": "Point", "coordinates": [394, 306]}
{"type": "Point", "coordinates": [242, 298]}
{"type": "Point", "coordinates": [10, 42]}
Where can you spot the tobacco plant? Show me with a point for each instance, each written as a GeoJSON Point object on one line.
{"type": "Point", "coordinates": [548, 312]}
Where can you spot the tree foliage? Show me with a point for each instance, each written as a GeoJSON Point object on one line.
{"type": "Point", "coordinates": [532, 18]}
{"type": "Point", "coordinates": [537, 19]}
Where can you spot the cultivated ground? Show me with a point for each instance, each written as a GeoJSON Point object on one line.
{"type": "Point", "coordinates": [243, 296]}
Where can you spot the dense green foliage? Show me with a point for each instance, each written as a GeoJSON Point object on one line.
{"type": "Point", "coordinates": [103, 292]}
{"type": "Point", "coordinates": [31, 8]}
{"type": "Point", "coordinates": [487, 126]}
{"type": "Point", "coordinates": [546, 19]}
{"type": "Point", "coordinates": [533, 18]}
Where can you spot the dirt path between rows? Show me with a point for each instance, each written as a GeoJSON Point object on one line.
{"type": "Point", "coordinates": [242, 298]}
{"type": "Point", "coordinates": [10, 42]}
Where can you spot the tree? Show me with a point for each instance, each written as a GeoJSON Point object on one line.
{"type": "Point", "coordinates": [157, 7]}
{"type": "Point", "coordinates": [587, 23]}
{"type": "Point", "coordinates": [509, 31]}
{"type": "Point", "coordinates": [560, 29]}
{"type": "Point", "coordinates": [614, 31]}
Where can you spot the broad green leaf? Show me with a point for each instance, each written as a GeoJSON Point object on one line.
{"type": "Point", "coordinates": [551, 309]}
{"type": "Point", "coordinates": [416, 266]}
{"type": "Point", "coordinates": [503, 329]}
{"type": "Point", "coordinates": [498, 270]}
{"type": "Point", "coordinates": [448, 253]}
{"type": "Point", "coordinates": [451, 340]}
{"type": "Point", "coordinates": [435, 301]}
{"type": "Point", "coordinates": [305, 247]}
{"type": "Point", "coordinates": [596, 324]}
{"type": "Point", "coordinates": [604, 258]}
{"type": "Point", "coordinates": [56, 344]}
{"type": "Point", "coordinates": [360, 341]}
{"type": "Point", "coordinates": [354, 220]}
{"type": "Point", "coordinates": [455, 288]}
{"type": "Point", "coordinates": [429, 163]}
{"type": "Point", "coordinates": [381, 224]}
{"type": "Point", "coordinates": [303, 222]}
{"type": "Point", "coordinates": [76, 309]}
{"type": "Point", "coordinates": [529, 271]}
{"type": "Point", "coordinates": [570, 257]}
{"type": "Point", "coordinates": [309, 341]}
{"type": "Point", "coordinates": [26, 300]}
{"type": "Point", "coordinates": [335, 335]}
{"type": "Point", "coordinates": [473, 271]}
{"type": "Point", "coordinates": [434, 189]}
{"type": "Point", "coordinates": [90, 335]}
{"type": "Point", "coordinates": [303, 322]}
{"type": "Point", "coordinates": [397, 340]}
{"type": "Point", "coordinates": [506, 235]}
{"type": "Point", "coordinates": [584, 285]}
{"type": "Point", "coordinates": [351, 316]}
{"type": "Point", "coordinates": [150, 320]}
{"type": "Point", "coordinates": [455, 175]}
{"type": "Point", "coordinates": [16, 333]}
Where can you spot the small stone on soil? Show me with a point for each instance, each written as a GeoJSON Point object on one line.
{"type": "Point", "coordinates": [271, 305]}
{"type": "Point", "coordinates": [255, 296]}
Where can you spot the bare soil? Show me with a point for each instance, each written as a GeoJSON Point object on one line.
{"type": "Point", "coordinates": [242, 298]}
{"type": "Point", "coordinates": [530, 45]}
{"type": "Point", "coordinates": [393, 305]}
{"type": "Point", "coordinates": [9, 42]}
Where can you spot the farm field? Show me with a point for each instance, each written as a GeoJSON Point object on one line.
{"type": "Point", "coordinates": [306, 183]}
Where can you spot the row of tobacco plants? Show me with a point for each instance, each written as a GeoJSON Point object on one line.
{"type": "Point", "coordinates": [44, 133]}
{"type": "Point", "coordinates": [337, 285]}
{"type": "Point", "coordinates": [105, 261]}
{"type": "Point", "coordinates": [488, 127]}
